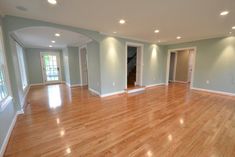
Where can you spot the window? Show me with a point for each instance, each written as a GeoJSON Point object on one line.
{"type": "Point", "coordinates": [4, 83]}
{"type": "Point", "coordinates": [20, 56]}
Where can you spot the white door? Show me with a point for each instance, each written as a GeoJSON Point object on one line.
{"type": "Point", "coordinates": [51, 67]}
{"type": "Point", "coordinates": [84, 71]}
{"type": "Point", "coordinates": [138, 66]}
{"type": "Point", "coordinates": [191, 56]}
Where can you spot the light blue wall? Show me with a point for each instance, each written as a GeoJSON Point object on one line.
{"type": "Point", "coordinates": [6, 117]}
{"type": "Point", "coordinates": [35, 69]}
{"type": "Point", "coordinates": [113, 61]}
{"type": "Point", "coordinates": [74, 70]}
{"type": "Point", "coordinates": [215, 61]}
{"type": "Point", "coordinates": [93, 66]}
{"type": "Point", "coordinates": [66, 65]}
{"type": "Point", "coordinates": [71, 66]}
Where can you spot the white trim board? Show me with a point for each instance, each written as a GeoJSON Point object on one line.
{"type": "Point", "coordinates": [111, 94]}
{"type": "Point", "coordinates": [153, 85]}
{"type": "Point", "coordinates": [180, 81]}
{"type": "Point", "coordinates": [75, 85]}
{"type": "Point", "coordinates": [141, 46]}
{"type": "Point", "coordinates": [193, 66]}
{"type": "Point", "coordinates": [135, 90]}
{"type": "Point", "coordinates": [213, 91]}
{"type": "Point", "coordinates": [6, 140]}
{"type": "Point", "coordinates": [94, 91]}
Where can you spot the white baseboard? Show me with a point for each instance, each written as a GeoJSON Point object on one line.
{"type": "Point", "coordinates": [111, 94]}
{"type": "Point", "coordinates": [25, 96]}
{"type": "Point", "coordinates": [152, 85]}
{"type": "Point", "coordinates": [36, 84]}
{"type": "Point", "coordinates": [76, 85]}
{"type": "Point", "coordinates": [94, 91]}
{"type": "Point", "coordinates": [180, 81]}
{"type": "Point", "coordinates": [6, 140]}
{"type": "Point", "coordinates": [135, 90]}
{"type": "Point", "coordinates": [214, 91]}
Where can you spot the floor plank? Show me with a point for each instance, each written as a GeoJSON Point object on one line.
{"type": "Point", "coordinates": [162, 121]}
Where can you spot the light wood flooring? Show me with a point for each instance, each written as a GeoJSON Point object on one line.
{"type": "Point", "coordinates": [163, 121]}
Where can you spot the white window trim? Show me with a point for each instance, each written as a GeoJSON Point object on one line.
{"type": "Point", "coordinates": [5, 102]}
{"type": "Point", "coordinates": [20, 67]}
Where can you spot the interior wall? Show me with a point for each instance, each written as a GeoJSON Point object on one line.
{"type": "Point", "coordinates": [172, 66]}
{"type": "Point", "coordinates": [182, 66]}
{"type": "Point", "coordinates": [215, 62]}
{"type": "Point", "coordinates": [113, 60]}
{"type": "Point", "coordinates": [71, 66]}
{"type": "Point", "coordinates": [74, 66]}
{"type": "Point", "coordinates": [93, 66]}
{"type": "Point", "coordinates": [66, 66]}
{"type": "Point", "coordinates": [34, 60]}
{"type": "Point", "coordinates": [6, 117]}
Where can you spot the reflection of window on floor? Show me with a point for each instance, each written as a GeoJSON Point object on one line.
{"type": "Point", "coordinates": [54, 97]}
{"type": "Point", "coordinates": [51, 68]}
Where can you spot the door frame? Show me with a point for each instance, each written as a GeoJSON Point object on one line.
{"type": "Point", "coordinates": [141, 60]}
{"type": "Point", "coordinates": [168, 63]}
{"type": "Point", "coordinates": [175, 65]}
{"type": "Point", "coordinates": [80, 65]}
{"type": "Point", "coordinates": [42, 66]}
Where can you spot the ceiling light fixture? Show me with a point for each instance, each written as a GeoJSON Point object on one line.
{"type": "Point", "coordinates": [57, 35]}
{"type": "Point", "coordinates": [178, 37]}
{"type": "Point", "coordinates": [223, 13]}
{"type": "Point", "coordinates": [54, 2]}
{"type": "Point", "coordinates": [53, 41]}
{"type": "Point", "coordinates": [156, 31]}
{"type": "Point", "coordinates": [50, 46]}
{"type": "Point", "coordinates": [122, 21]}
{"type": "Point", "coordinates": [230, 32]}
{"type": "Point", "coordinates": [233, 27]}
{"type": "Point", "coordinates": [114, 32]}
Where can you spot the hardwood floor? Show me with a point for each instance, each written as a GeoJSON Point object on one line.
{"type": "Point", "coordinates": [162, 122]}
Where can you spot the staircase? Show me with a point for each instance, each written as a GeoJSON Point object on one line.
{"type": "Point", "coordinates": [132, 77]}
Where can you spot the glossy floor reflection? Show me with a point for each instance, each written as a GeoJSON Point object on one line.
{"type": "Point", "coordinates": [162, 122]}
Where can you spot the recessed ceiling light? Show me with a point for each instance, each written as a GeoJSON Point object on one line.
{"type": "Point", "coordinates": [178, 37]}
{"type": "Point", "coordinates": [159, 41]}
{"type": "Point", "coordinates": [57, 35]}
{"type": "Point", "coordinates": [122, 21]}
{"type": "Point", "coordinates": [233, 27]}
{"type": "Point", "coordinates": [223, 13]}
{"type": "Point", "coordinates": [230, 32]}
{"type": "Point", "coordinates": [54, 2]}
{"type": "Point", "coordinates": [156, 31]}
{"type": "Point", "coordinates": [50, 46]}
{"type": "Point", "coordinates": [53, 41]}
{"type": "Point", "coordinates": [114, 32]}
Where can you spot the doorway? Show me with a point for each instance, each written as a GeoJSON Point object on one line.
{"type": "Point", "coordinates": [180, 65]}
{"type": "Point", "coordinates": [51, 70]}
{"type": "Point", "coordinates": [83, 60]}
{"type": "Point", "coordinates": [134, 62]}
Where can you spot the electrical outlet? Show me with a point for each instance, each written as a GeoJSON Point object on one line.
{"type": "Point", "coordinates": [113, 83]}
{"type": "Point", "coordinates": [207, 82]}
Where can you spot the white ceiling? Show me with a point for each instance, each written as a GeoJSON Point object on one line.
{"type": "Point", "coordinates": [191, 19]}
{"type": "Point", "coordinates": [41, 37]}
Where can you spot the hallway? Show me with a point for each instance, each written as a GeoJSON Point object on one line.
{"type": "Point", "coordinates": [163, 121]}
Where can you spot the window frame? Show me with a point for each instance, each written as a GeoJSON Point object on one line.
{"type": "Point", "coordinates": [4, 103]}
{"type": "Point", "coordinates": [22, 67]}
